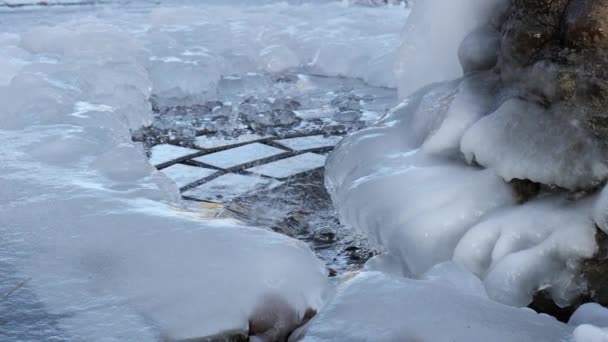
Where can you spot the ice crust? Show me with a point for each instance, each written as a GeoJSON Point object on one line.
{"type": "Point", "coordinates": [521, 140]}
{"type": "Point", "coordinates": [405, 184]}
{"type": "Point", "coordinates": [100, 236]}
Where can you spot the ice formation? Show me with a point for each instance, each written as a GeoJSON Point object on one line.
{"type": "Point", "coordinates": [97, 231]}
{"type": "Point", "coordinates": [509, 142]}
{"type": "Point", "coordinates": [434, 207]}
{"type": "Point", "coordinates": [378, 307]}
{"type": "Point", "coordinates": [431, 38]}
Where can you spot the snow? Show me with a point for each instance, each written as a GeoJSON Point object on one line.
{"type": "Point", "coordinates": [374, 306]}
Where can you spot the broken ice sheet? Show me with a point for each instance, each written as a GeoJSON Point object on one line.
{"type": "Point", "coordinates": [209, 142]}
{"type": "Point", "coordinates": [230, 186]}
{"type": "Point", "coordinates": [290, 166]}
{"type": "Point", "coordinates": [239, 155]}
{"type": "Point", "coordinates": [310, 142]}
{"type": "Point", "coordinates": [164, 153]}
{"type": "Point", "coordinates": [184, 174]}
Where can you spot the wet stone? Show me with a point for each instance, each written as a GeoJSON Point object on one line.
{"type": "Point", "coordinates": [239, 155]}
{"type": "Point", "coordinates": [586, 23]}
{"type": "Point", "coordinates": [347, 116]}
{"type": "Point", "coordinates": [164, 153]}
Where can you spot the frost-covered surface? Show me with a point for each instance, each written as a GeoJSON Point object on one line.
{"type": "Point", "coordinates": [446, 305]}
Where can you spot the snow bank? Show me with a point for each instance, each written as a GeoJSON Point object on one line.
{"type": "Point", "coordinates": [377, 307]}
{"type": "Point", "coordinates": [101, 236]}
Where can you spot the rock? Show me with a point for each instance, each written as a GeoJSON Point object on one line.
{"type": "Point", "coordinates": [274, 319]}
{"type": "Point", "coordinates": [479, 50]}
{"type": "Point", "coordinates": [586, 24]}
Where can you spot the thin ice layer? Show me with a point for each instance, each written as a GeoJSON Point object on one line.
{"type": "Point", "coordinates": [523, 141]}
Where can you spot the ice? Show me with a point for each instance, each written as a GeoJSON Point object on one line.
{"type": "Point", "coordinates": [230, 186]}
{"type": "Point", "coordinates": [183, 174]}
{"type": "Point", "coordinates": [520, 250]}
{"type": "Point", "coordinates": [290, 166]}
{"type": "Point", "coordinates": [310, 142]}
{"type": "Point", "coordinates": [164, 153]}
{"type": "Point", "coordinates": [106, 247]}
{"type": "Point", "coordinates": [521, 140]}
{"type": "Point", "coordinates": [590, 313]}
{"type": "Point", "coordinates": [404, 184]}
{"type": "Point", "coordinates": [377, 307]}
{"type": "Point", "coordinates": [590, 333]}
{"type": "Point", "coordinates": [429, 48]}
{"type": "Point", "coordinates": [239, 155]}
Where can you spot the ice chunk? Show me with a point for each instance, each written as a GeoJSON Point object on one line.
{"type": "Point", "coordinates": [590, 313]}
{"type": "Point", "coordinates": [290, 166]}
{"type": "Point", "coordinates": [377, 307]}
{"type": "Point", "coordinates": [523, 141]}
{"type": "Point", "coordinates": [239, 155]}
